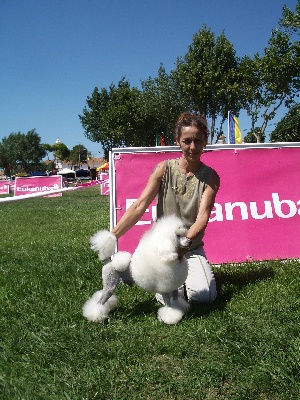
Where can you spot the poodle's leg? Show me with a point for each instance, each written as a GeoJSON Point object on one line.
{"type": "Point", "coordinates": [98, 307]}
{"type": "Point", "coordinates": [174, 295]}
{"type": "Point", "coordinates": [110, 280]}
{"type": "Point", "coordinates": [167, 299]}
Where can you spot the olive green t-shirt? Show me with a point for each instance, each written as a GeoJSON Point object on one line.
{"type": "Point", "coordinates": [181, 195]}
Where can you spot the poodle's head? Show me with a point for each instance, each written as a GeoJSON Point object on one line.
{"type": "Point", "coordinates": [170, 226]}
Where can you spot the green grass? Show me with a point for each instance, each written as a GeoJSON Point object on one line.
{"type": "Point", "coordinates": [244, 346]}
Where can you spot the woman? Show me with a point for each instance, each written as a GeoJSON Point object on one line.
{"type": "Point", "coordinates": [185, 187]}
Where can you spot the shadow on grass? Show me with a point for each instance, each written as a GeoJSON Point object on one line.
{"type": "Point", "coordinates": [138, 305]}
{"type": "Point", "coordinates": [230, 281]}
{"type": "Point", "coordinates": [148, 306]}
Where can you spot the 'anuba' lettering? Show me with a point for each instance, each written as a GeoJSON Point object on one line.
{"type": "Point", "coordinates": [281, 208]}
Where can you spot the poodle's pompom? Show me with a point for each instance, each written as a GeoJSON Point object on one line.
{"type": "Point", "coordinates": [104, 242]}
{"type": "Point", "coordinates": [173, 315]}
{"type": "Point", "coordinates": [93, 311]}
{"type": "Point", "coordinates": [169, 315]}
{"type": "Point", "coordinates": [121, 261]}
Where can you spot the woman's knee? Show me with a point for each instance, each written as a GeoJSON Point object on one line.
{"type": "Point", "coordinates": [205, 295]}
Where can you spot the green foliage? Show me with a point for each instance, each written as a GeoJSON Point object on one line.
{"type": "Point", "coordinates": [124, 116]}
{"type": "Point", "coordinates": [255, 136]}
{"type": "Point", "coordinates": [250, 80]}
{"type": "Point", "coordinates": [160, 105]}
{"type": "Point", "coordinates": [291, 21]}
{"type": "Point", "coordinates": [21, 152]}
{"type": "Point", "coordinates": [47, 147]}
{"type": "Point", "coordinates": [288, 129]}
{"type": "Point", "coordinates": [61, 151]}
{"type": "Point", "coordinates": [78, 155]}
{"type": "Point", "coordinates": [111, 117]}
{"type": "Point", "coordinates": [272, 80]}
{"type": "Point", "coordinates": [204, 81]}
{"type": "Point", "coordinates": [244, 346]}
{"type": "Point", "coordinates": [207, 76]}
{"type": "Point", "coordinates": [209, 79]}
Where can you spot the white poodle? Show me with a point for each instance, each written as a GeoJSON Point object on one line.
{"type": "Point", "coordinates": [154, 266]}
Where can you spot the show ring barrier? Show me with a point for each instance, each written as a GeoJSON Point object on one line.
{"type": "Point", "coordinates": [257, 209]}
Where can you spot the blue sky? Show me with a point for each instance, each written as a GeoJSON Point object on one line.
{"type": "Point", "coordinates": [53, 53]}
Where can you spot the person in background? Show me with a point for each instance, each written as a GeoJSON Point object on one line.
{"type": "Point", "coordinates": [187, 188]}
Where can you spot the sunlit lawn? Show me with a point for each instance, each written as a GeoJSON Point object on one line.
{"type": "Point", "coordinates": [245, 346]}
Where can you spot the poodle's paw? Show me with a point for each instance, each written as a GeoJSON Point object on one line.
{"type": "Point", "coordinates": [104, 242]}
{"type": "Point", "coordinates": [121, 261]}
{"type": "Point", "coordinates": [93, 311]}
{"type": "Point", "coordinates": [173, 315]}
{"type": "Point", "coordinates": [167, 257]}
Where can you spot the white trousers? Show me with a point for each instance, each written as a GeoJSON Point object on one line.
{"type": "Point", "coordinates": [200, 285]}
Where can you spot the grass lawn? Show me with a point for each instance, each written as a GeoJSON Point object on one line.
{"type": "Point", "coordinates": [244, 346]}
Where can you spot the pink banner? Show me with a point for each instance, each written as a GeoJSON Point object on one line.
{"type": "Point", "coordinates": [257, 210]}
{"type": "Point", "coordinates": [30, 185]}
{"type": "Point", "coordinates": [104, 182]}
{"type": "Point", "coordinates": [89, 183]}
{"type": "Point", "coordinates": [4, 187]}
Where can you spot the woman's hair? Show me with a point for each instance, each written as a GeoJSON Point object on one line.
{"type": "Point", "coordinates": [191, 119]}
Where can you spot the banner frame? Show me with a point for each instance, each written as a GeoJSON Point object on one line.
{"type": "Point", "coordinates": [113, 155]}
{"type": "Point", "coordinates": [234, 149]}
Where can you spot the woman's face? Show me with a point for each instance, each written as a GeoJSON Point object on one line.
{"type": "Point", "coordinates": [192, 142]}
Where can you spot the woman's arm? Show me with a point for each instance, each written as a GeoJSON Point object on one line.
{"type": "Point", "coordinates": [137, 209]}
{"type": "Point", "coordinates": [206, 205]}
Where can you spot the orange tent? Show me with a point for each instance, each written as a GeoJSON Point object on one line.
{"type": "Point", "coordinates": [103, 167]}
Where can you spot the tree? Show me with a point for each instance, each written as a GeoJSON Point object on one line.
{"type": "Point", "coordinates": [21, 152]}
{"type": "Point", "coordinates": [78, 155]}
{"type": "Point", "coordinates": [207, 76]}
{"type": "Point", "coordinates": [251, 137]}
{"type": "Point", "coordinates": [288, 129]}
{"type": "Point", "coordinates": [210, 80]}
{"type": "Point", "coordinates": [272, 80]}
{"type": "Point", "coordinates": [61, 152]}
{"type": "Point", "coordinates": [111, 117]}
{"type": "Point", "coordinates": [291, 21]}
{"type": "Point", "coordinates": [160, 105]}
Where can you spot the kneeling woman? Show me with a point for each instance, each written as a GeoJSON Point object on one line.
{"type": "Point", "coordinates": [187, 188]}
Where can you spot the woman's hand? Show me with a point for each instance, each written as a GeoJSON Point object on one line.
{"type": "Point", "coordinates": [184, 246]}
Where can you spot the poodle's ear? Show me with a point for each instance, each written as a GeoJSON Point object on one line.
{"type": "Point", "coordinates": [167, 251]}
{"type": "Point", "coordinates": [181, 231]}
